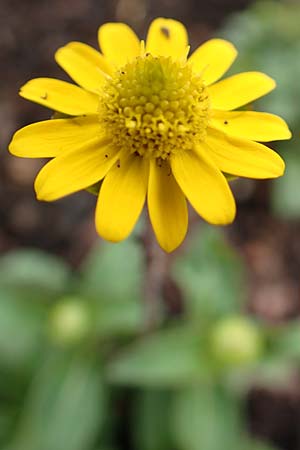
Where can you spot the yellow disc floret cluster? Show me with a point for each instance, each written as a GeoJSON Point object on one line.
{"type": "Point", "coordinates": [154, 106]}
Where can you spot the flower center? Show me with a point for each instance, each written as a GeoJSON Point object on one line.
{"type": "Point", "coordinates": [155, 106]}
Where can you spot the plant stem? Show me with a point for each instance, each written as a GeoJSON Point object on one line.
{"type": "Point", "coordinates": [156, 271]}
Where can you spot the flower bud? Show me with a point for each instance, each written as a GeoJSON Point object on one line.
{"type": "Point", "coordinates": [69, 321]}
{"type": "Point", "coordinates": [236, 341]}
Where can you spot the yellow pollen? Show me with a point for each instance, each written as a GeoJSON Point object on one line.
{"type": "Point", "coordinates": [155, 107]}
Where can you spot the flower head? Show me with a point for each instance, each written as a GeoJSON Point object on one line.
{"type": "Point", "coordinates": [148, 121]}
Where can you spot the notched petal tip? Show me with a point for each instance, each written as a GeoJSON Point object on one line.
{"type": "Point", "coordinates": [25, 86]}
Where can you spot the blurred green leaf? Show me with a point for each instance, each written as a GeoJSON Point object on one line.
{"type": "Point", "coordinates": [113, 277]}
{"type": "Point", "coordinates": [254, 444]}
{"type": "Point", "coordinates": [34, 274]}
{"type": "Point", "coordinates": [151, 420]}
{"type": "Point", "coordinates": [167, 358]}
{"type": "Point", "coordinates": [21, 327]}
{"type": "Point", "coordinates": [267, 36]}
{"type": "Point", "coordinates": [287, 342]}
{"type": "Point", "coordinates": [210, 275]}
{"type": "Point", "coordinates": [285, 201]}
{"type": "Point", "coordinates": [206, 417]}
{"type": "Point", "coordinates": [65, 408]}
{"type": "Point", "coordinates": [259, 445]}
{"type": "Point", "coordinates": [274, 371]}
{"type": "Point", "coordinates": [114, 272]}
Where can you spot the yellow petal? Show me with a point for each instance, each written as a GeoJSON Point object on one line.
{"type": "Point", "coordinates": [167, 37]}
{"type": "Point", "coordinates": [242, 157]}
{"type": "Point", "coordinates": [91, 54]}
{"type": "Point", "coordinates": [167, 207]}
{"type": "Point", "coordinates": [60, 96]}
{"type": "Point", "coordinates": [205, 186]}
{"type": "Point", "coordinates": [51, 137]}
{"type": "Point", "coordinates": [122, 197]}
{"type": "Point", "coordinates": [256, 126]}
{"type": "Point", "coordinates": [84, 64]}
{"type": "Point", "coordinates": [75, 170]}
{"type": "Point", "coordinates": [213, 59]}
{"type": "Point", "coordinates": [118, 43]}
{"type": "Point", "coordinates": [239, 90]}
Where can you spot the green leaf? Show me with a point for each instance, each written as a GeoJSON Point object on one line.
{"type": "Point", "coordinates": [113, 277]}
{"type": "Point", "coordinates": [285, 201]}
{"type": "Point", "coordinates": [274, 45]}
{"type": "Point", "coordinates": [168, 358]}
{"type": "Point", "coordinates": [206, 417]}
{"type": "Point", "coordinates": [150, 426]}
{"type": "Point", "coordinates": [34, 274]}
{"type": "Point", "coordinates": [113, 272]}
{"type": "Point", "coordinates": [21, 329]}
{"type": "Point", "coordinates": [254, 444]}
{"type": "Point", "coordinates": [274, 370]}
{"type": "Point", "coordinates": [210, 275]}
{"type": "Point", "coordinates": [118, 319]}
{"type": "Point", "coordinates": [65, 408]}
{"type": "Point", "coordinates": [287, 342]}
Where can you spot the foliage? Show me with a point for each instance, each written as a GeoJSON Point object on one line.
{"type": "Point", "coordinates": [267, 36]}
{"type": "Point", "coordinates": [72, 352]}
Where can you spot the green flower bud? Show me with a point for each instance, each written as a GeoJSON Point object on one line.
{"type": "Point", "coordinates": [69, 321]}
{"type": "Point", "coordinates": [236, 341]}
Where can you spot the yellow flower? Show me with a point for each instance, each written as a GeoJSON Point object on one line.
{"type": "Point", "coordinates": [150, 123]}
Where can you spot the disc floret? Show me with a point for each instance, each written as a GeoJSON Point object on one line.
{"type": "Point", "coordinates": [155, 106]}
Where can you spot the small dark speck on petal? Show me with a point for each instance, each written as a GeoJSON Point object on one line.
{"type": "Point", "coordinates": [165, 31]}
{"type": "Point", "coordinates": [225, 122]}
{"type": "Point", "coordinates": [106, 156]}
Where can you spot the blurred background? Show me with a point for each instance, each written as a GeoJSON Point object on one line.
{"type": "Point", "coordinates": [122, 347]}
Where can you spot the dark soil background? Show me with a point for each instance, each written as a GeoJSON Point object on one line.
{"type": "Point", "coordinates": [30, 32]}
